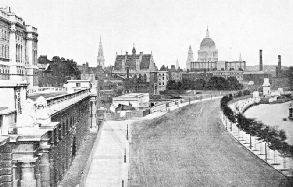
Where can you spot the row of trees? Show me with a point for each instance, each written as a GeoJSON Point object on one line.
{"type": "Point", "coordinates": [273, 138]}
{"type": "Point", "coordinates": [214, 83]}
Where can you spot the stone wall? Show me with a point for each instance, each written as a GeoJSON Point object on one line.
{"type": "Point", "coordinates": [42, 158]}
{"type": "Point", "coordinates": [6, 168]}
{"type": "Point", "coordinates": [67, 137]}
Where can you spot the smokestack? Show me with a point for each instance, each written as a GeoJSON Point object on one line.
{"type": "Point", "coordinates": [260, 61]}
{"type": "Point", "coordinates": [279, 62]}
{"type": "Point", "coordinates": [127, 72]}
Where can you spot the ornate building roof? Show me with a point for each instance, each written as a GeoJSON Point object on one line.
{"type": "Point", "coordinates": [207, 41]}
{"type": "Point", "coordinates": [130, 61]}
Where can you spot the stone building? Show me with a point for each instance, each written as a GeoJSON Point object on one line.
{"type": "Point", "coordinates": [163, 77]}
{"type": "Point", "coordinates": [175, 74]}
{"type": "Point", "coordinates": [39, 138]}
{"type": "Point", "coordinates": [189, 58]}
{"type": "Point", "coordinates": [18, 49]}
{"type": "Point", "coordinates": [137, 64]}
{"type": "Point", "coordinates": [100, 58]}
{"type": "Point", "coordinates": [207, 51]}
{"type": "Point", "coordinates": [208, 59]}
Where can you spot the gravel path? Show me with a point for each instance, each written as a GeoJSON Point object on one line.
{"type": "Point", "coordinates": [190, 147]}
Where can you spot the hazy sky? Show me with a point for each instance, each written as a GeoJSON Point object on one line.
{"type": "Point", "coordinates": [71, 28]}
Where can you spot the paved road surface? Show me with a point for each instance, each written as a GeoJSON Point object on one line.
{"type": "Point", "coordinates": [190, 147]}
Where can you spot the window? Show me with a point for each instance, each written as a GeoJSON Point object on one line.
{"type": "Point", "coordinates": [77, 84]}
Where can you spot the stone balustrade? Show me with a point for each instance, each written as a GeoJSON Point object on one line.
{"type": "Point", "coordinates": [46, 89]}
{"type": "Point", "coordinates": [58, 103]}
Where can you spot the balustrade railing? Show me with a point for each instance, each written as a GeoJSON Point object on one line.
{"type": "Point", "coordinates": [58, 103]}
{"type": "Point", "coordinates": [46, 89]}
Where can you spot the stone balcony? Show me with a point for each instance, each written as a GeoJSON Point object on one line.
{"type": "Point", "coordinates": [58, 103]}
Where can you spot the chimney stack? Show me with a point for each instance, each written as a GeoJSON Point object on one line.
{"type": "Point", "coordinates": [279, 62]}
{"type": "Point", "coordinates": [127, 72]}
{"type": "Point", "coordinates": [260, 61]}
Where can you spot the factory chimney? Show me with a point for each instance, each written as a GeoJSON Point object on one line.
{"type": "Point", "coordinates": [260, 61]}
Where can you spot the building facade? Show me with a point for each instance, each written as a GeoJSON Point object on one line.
{"type": "Point", "coordinates": [39, 138]}
{"type": "Point", "coordinates": [140, 65]}
{"type": "Point", "coordinates": [100, 58]}
{"type": "Point", "coordinates": [208, 58]}
{"type": "Point", "coordinates": [18, 49]}
{"type": "Point", "coordinates": [163, 77]}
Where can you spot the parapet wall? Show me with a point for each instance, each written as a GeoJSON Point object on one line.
{"type": "Point", "coordinates": [42, 157]}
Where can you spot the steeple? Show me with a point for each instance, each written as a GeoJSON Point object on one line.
{"type": "Point", "coordinates": [207, 33]}
{"type": "Point", "coordinates": [189, 58]}
{"type": "Point", "coordinates": [177, 64]}
{"type": "Point", "coordinates": [133, 49]}
{"type": "Point", "coordinates": [190, 51]}
{"type": "Point", "coordinates": [100, 59]}
{"type": "Point", "coordinates": [240, 58]}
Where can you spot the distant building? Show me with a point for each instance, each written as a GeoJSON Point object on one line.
{"type": "Point", "coordinates": [163, 77]}
{"type": "Point", "coordinates": [100, 58]}
{"type": "Point", "coordinates": [140, 65]}
{"type": "Point", "coordinates": [207, 51]}
{"type": "Point", "coordinates": [18, 49]}
{"type": "Point", "coordinates": [189, 58]}
{"type": "Point", "coordinates": [175, 74]}
{"type": "Point", "coordinates": [208, 59]}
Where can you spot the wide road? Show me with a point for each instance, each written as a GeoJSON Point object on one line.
{"type": "Point", "coordinates": [190, 147]}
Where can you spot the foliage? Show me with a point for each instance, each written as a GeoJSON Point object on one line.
{"type": "Point", "coordinates": [246, 92]}
{"type": "Point", "coordinates": [274, 137]}
{"type": "Point", "coordinates": [214, 83]}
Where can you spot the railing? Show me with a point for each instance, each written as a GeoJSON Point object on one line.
{"type": "Point", "coordinates": [58, 103]}
{"type": "Point", "coordinates": [46, 89]}
{"type": "Point", "coordinates": [159, 108]}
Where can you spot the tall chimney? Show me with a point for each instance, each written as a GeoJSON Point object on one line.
{"type": "Point", "coordinates": [127, 72]}
{"type": "Point", "coordinates": [279, 62]}
{"type": "Point", "coordinates": [260, 61]}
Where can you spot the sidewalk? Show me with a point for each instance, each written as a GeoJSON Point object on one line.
{"type": "Point", "coordinates": [108, 167]}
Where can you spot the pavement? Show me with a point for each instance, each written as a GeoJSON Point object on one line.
{"type": "Point", "coordinates": [110, 162]}
{"type": "Point", "coordinates": [191, 147]}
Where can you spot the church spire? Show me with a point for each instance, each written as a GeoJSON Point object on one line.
{"type": "Point", "coordinates": [100, 59]}
{"type": "Point", "coordinates": [177, 64]}
{"type": "Point", "coordinates": [240, 58]}
{"type": "Point", "coordinates": [207, 33]}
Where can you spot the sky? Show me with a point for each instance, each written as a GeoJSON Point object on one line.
{"type": "Point", "coordinates": [72, 29]}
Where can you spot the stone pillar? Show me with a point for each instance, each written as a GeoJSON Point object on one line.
{"type": "Point", "coordinates": [12, 54]}
{"type": "Point", "coordinates": [27, 178]}
{"type": "Point", "coordinates": [93, 111]}
{"type": "Point", "coordinates": [45, 167]}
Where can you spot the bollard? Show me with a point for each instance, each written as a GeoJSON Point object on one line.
{"type": "Point", "coordinates": [127, 132]}
{"type": "Point", "coordinates": [125, 156]}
